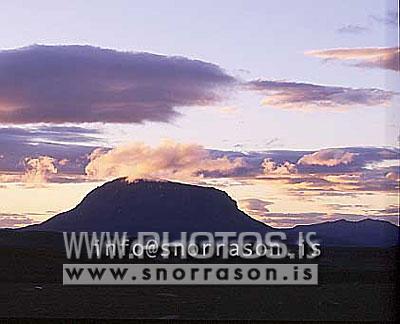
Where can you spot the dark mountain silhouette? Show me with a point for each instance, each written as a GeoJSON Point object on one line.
{"type": "Point", "coordinates": [159, 206]}
{"type": "Point", "coordinates": [366, 232]}
{"type": "Point", "coordinates": [163, 206]}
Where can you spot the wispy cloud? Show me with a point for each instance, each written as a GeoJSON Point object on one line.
{"type": "Point", "coordinates": [390, 18]}
{"type": "Point", "coordinates": [306, 96]}
{"type": "Point", "coordinates": [352, 29]}
{"type": "Point", "coordinates": [369, 57]}
{"type": "Point", "coordinates": [14, 220]}
{"type": "Point", "coordinates": [36, 134]}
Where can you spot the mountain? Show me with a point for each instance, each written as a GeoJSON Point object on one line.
{"type": "Point", "coordinates": [163, 206]}
{"type": "Point", "coordinates": [366, 232]}
{"type": "Point", "coordinates": [153, 206]}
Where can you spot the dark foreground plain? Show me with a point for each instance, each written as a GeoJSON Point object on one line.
{"type": "Point", "coordinates": [355, 284]}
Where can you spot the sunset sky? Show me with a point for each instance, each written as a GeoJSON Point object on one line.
{"type": "Point", "coordinates": [290, 107]}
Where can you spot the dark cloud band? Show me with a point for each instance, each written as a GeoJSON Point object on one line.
{"type": "Point", "coordinates": [61, 84]}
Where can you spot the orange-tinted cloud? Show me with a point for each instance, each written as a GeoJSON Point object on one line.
{"type": "Point", "coordinates": [327, 157]}
{"type": "Point", "coordinates": [170, 160]}
{"type": "Point", "coordinates": [271, 167]}
{"type": "Point", "coordinates": [372, 57]}
{"type": "Point", "coordinates": [40, 169]}
{"type": "Point", "coordinates": [37, 170]}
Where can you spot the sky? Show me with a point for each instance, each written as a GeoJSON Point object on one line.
{"type": "Point", "coordinates": [291, 107]}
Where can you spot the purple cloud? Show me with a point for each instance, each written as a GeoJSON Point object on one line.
{"type": "Point", "coordinates": [61, 84]}
{"type": "Point", "coordinates": [70, 145]}
{"type": "Point", "coordinates": [256, 207]}
{"type": "Point", "coordinates": [305, 96]}
{"type": "Point", "coordinates": [14, 220]}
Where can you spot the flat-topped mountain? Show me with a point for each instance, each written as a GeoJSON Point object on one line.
{"type": "Point", "coordinates": [159, 206]}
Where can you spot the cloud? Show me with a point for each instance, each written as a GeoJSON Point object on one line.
{"type": "Point", "coordinates": [332, 172]}
{"type": "Point", "coordinates": [293, 219]}
{"type": "Point", "coordinates": [271, 167]}
{"type": "Point", "coordinates": [352, 29]}
{"type": "Point", "coordinates": [39, 170]}
{"type": "Point", "coordinates": [255, 207]}
{"type": "Point", "coordinates": [393, 210]}
{"type": "Point", "coordinates": [390, 19]}
{"type": "Point", "coordinates": [328, 157]}
{"type": "Point", "coordinates": [307, 96]}
{"type": "Point", "coordinates": [14, 220]}
{"type": "Point", "coordinates": [36, 134]}
{"type": "Point", "coordinates": [170, 160]}
{"type": "Point", "coordinates": [362, 182]}
{"type": "Point", "coordinates": [70, 143]}
{"type": "Point", "coordinates": [61, 84]}
{"type": "Point", "coordinates": [306, 170]}
{"type": "Point", "coordinates": [394, 176]}
{"type": "Point", "coordinates": [369, 57]}
{"type": "Point", "coordinates": [366, 171]}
